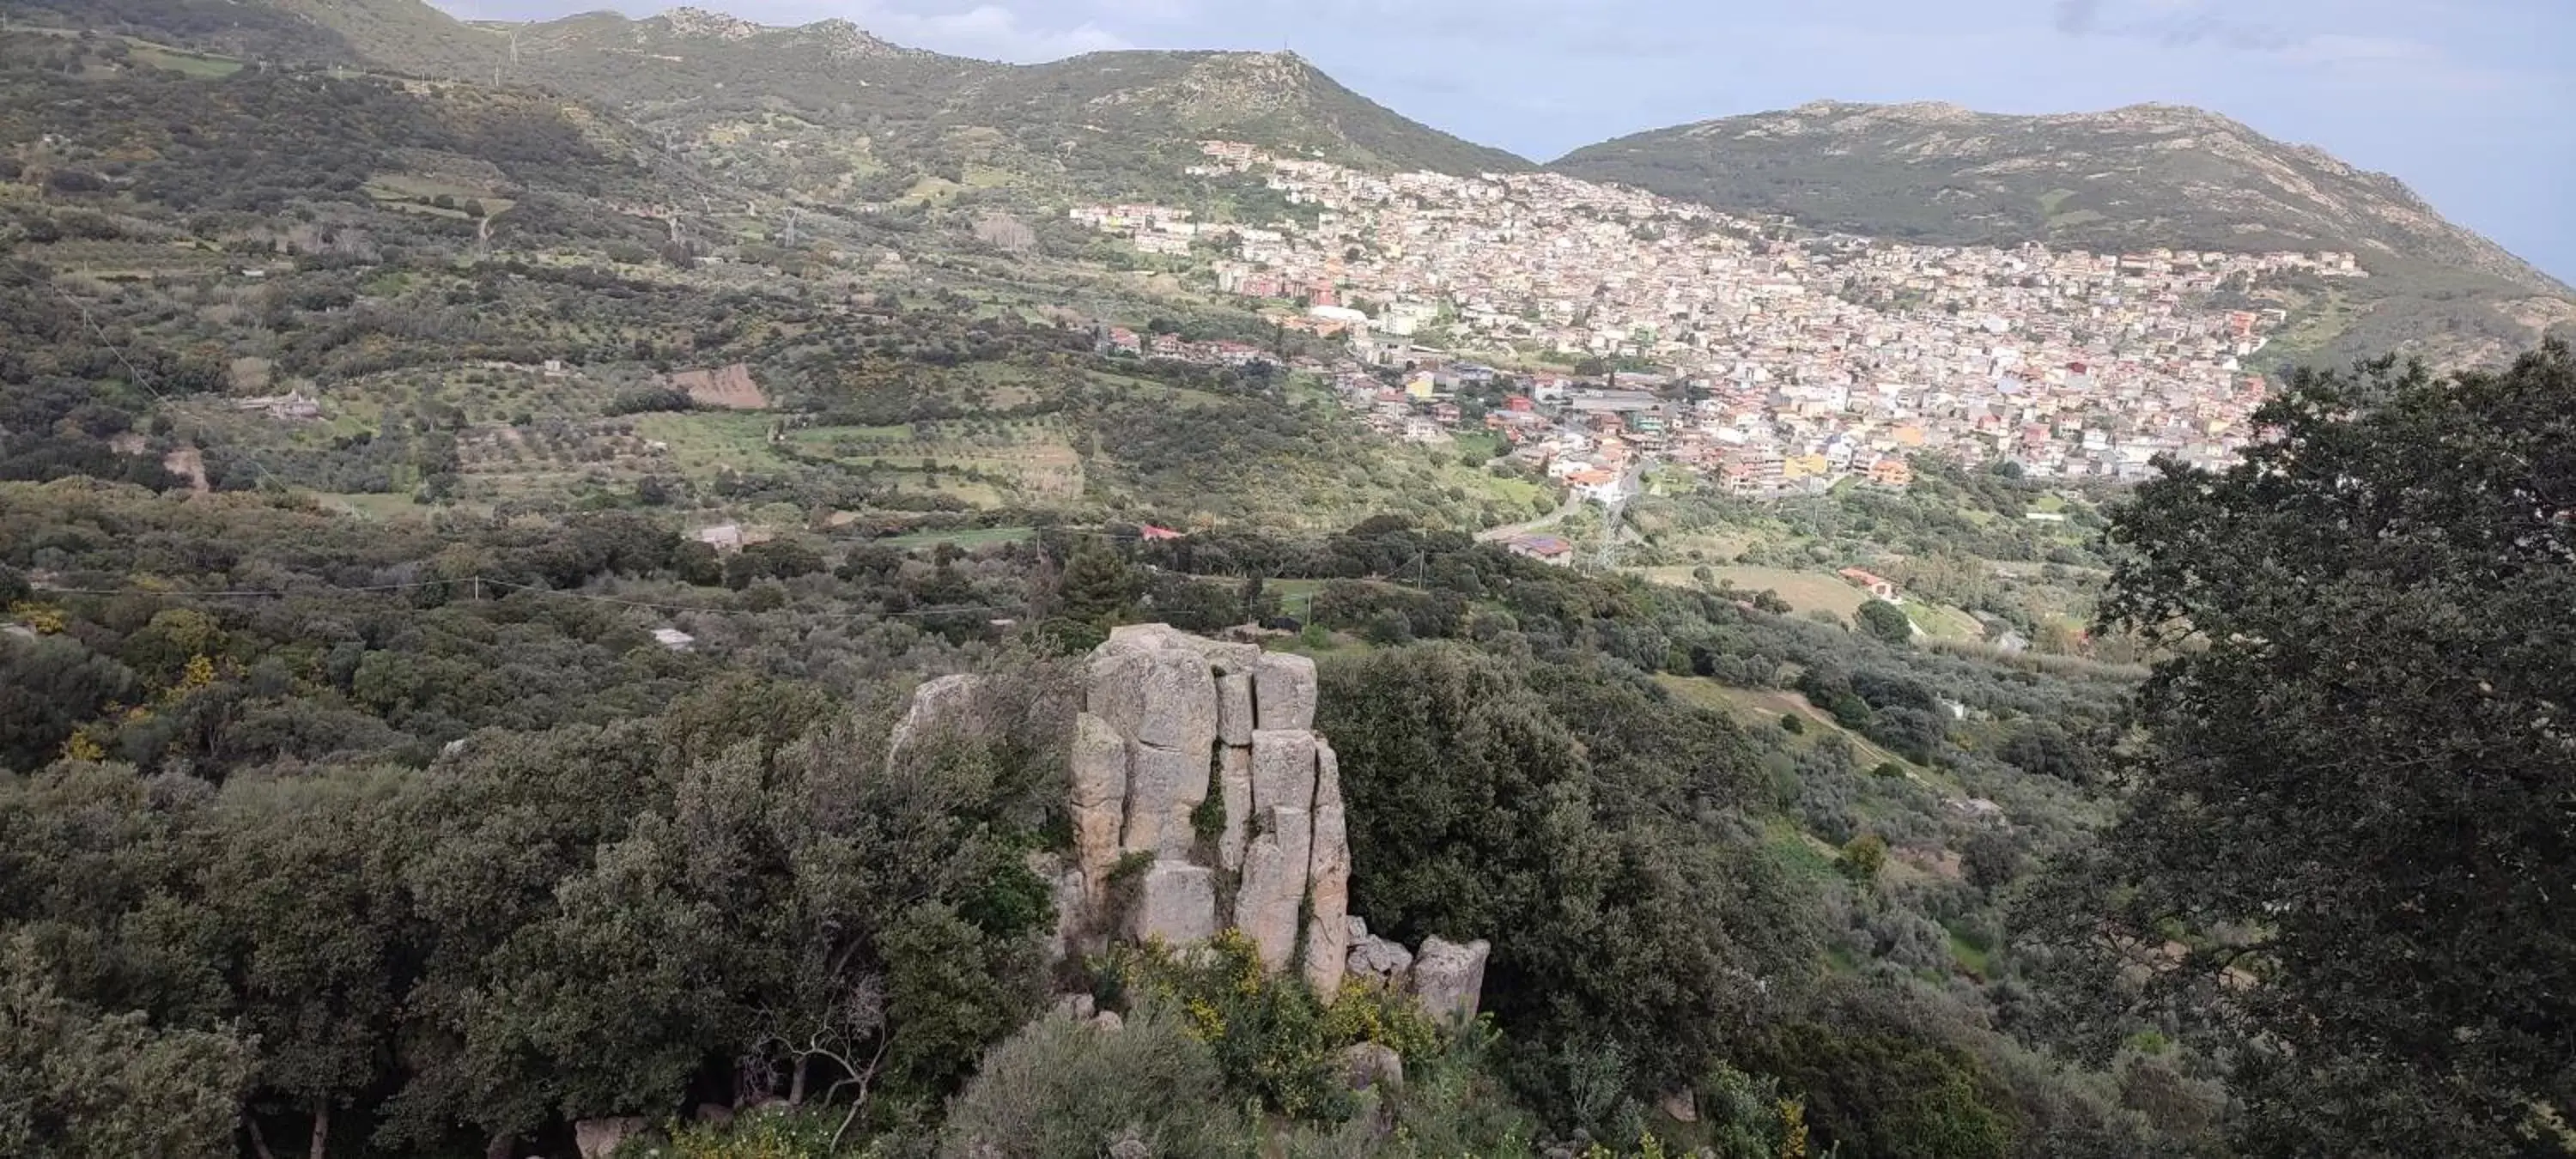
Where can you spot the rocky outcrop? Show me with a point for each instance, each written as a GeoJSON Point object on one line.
{"type": "Point", "coordinates": [1328, 880]}
{"type": "Point", "coordinates": [600, 1138]}
{"type": "Point", "coordinates": [1377, 961]}
{"type": "Point", "coordinates": [1373, 1065]}
{"type": "Point", "coordinates": [1283, 770]}
{"type": "Point", "coordinates": [1449, 979]}
{"type": "Point", "coordinates": [1234, 784]}
{"type": "Point", "coordinates": [948, 705]}
{"type": "Point", "coordinates": [1176, 905]}
{"type": "Point", "coordinates": [1274, 883]}
{"type": "Point", "coordinates": [1284, 692]}
{"type": "Point", "coordinates": [1201, 798]}
{"type": "Point", "coordinates": [1170, 720]}
{"type": "Point", "coordinates": [1234, 708]}
{"type": "Point", "coordinates": [1098, 798]}
{"type": "Point", "coordinates": [1157, 691]}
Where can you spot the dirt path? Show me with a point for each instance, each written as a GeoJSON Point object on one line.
{"type": "Point", "coordinates": [1516, 530]}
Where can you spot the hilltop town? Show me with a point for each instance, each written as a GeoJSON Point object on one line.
{"type": "Point", "coordinates": [1774, 362]}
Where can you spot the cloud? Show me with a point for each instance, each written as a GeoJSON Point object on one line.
{"type": "Point", "coordinates": [985, 30]}
{"type": "Point", "coordinates": [2173, 23]}
{"type": "Point", "coordinates": [1157, 10]}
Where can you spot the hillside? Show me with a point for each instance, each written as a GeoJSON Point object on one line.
{"type": "Point", "coordinates": [2132, 178]}
{"type": "Point", "coordinates": [1103, 124]}
{"type": "Point", "coordinates": [862, 118]}
{"type": "Point", "coordinates": [498, 297]}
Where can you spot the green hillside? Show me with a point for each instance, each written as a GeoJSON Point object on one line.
{"type": "Point", "coordinates": [2129, 179]}
{"type": "Point", "coordinates": [863, 119]}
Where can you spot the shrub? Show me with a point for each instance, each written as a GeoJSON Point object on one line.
{"type": "Point", "coordinates": [1863, 857]}
{"type": "Point", "coordinates": [790, 1134]}
{"type": "Point", "coordinates": [1064, 1089]}
{"type": "Point", "coordinates": [641, 400]}
{"type": "Point", "coordinates": [1878, 1081]}
{"type": "Point", "coordinates": [1273, 1039]}
{"type": "Point", "coordinates": [1886, 621]}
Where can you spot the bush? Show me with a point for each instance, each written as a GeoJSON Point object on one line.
{"type": "Point", "coordinates": [789, 1134]}
{"type": "Point", "coordinates": [1065, 1089]}
{"type": "Point", "coordinates": [1272, 1038]}
{"type": "Point", "coordinates": [1879, 1082]}
{"type": "Point", "coordinates": [1862, 857]}
{"type": "Point", "coordinates": [641, 400]}
{"type": "Point", "coordinates": [1886, 621]}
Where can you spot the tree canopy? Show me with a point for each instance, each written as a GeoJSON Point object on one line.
{"type": "Point", "coordinates": [2351, 840]}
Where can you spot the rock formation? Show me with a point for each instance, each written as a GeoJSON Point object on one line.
{"type": "Point", "coordinates": [946, 705]}
{"type": "Point", "coordinates": [1377, 961]}
{"type": "Point", "coordinates": [1170, 720]}
{"type": "Point", "coordinates": [1328, 880]}
{"type": "Point", "coordinates": [1449, 978]}
{"type": "Point", "coordinates": [1202, 799]}
{"type": "Point", "coordinates": [600, 1138]}
{"type": "Point", "coordinates": [1373, 1065]}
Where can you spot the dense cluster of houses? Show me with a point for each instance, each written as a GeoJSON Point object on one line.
{"type": "Point", "coordinates": [1789, 363]}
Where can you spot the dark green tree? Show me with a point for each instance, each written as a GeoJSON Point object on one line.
{"type": "Point", "coordinates": [1097, 585]}
{"type": "Point", "coordinates": [2351, 839]}
{"type": "Point", "coordinates": [1886, 621]}
{"type": "Point", "coordinates": [1879, 1080]}
{"type": "Point", "coordinates": [317, 938]}
{"type": "Point", "coordinates": [75, 1084]}
{"type": "Point", "coordinates": [50, 686]}
{"type": "Point", "coordinates": [1622, 936]}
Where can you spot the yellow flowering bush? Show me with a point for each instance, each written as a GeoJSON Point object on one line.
{"type": "Point", "coordinates": [40, 619]}
{"type": "Point", "coordinates": [1273, 1037]}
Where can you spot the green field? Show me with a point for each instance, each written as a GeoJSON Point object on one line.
{"type": "Point", "coordinates": [1943, 622]}
{"type": "Point", "coordinates": [1805, 590]}
{"type": "Point", "coordinates": [1819, 591]}
{"type": "Point", "coordinates": [702, 444]}
{"type": "Point", "coordinates": [1032, 459]}
{"type": "Point", "coordinates": [1757, 707]}
{"type": "Point", "coordinates": [980, 537]}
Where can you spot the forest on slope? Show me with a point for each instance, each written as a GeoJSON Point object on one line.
{"type": "Point", "coordinates": [422, 844]}
{"type": "Point", "coordinates": [417, 779]}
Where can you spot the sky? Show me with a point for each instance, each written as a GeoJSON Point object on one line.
{"type": "Point", "coordinates": [2470, 102]}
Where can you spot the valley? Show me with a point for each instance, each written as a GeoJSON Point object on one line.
{"type": "Point", "coordinates": [620, 586]}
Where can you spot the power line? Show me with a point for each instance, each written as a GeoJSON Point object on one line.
{"type": "Point", "coordinates": [479, 581]}
{"type": "Point", "coordinates": [245, 594]}
{"type": "Point", "coordinates": [135, 374]}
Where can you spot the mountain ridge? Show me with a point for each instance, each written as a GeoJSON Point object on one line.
{"type": "Point", "coordinates": [2138, 177]}
{"type": "Point", "coordinates": [1655, 160]}
{"type": "Point", "coordinates": [832, 114]}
